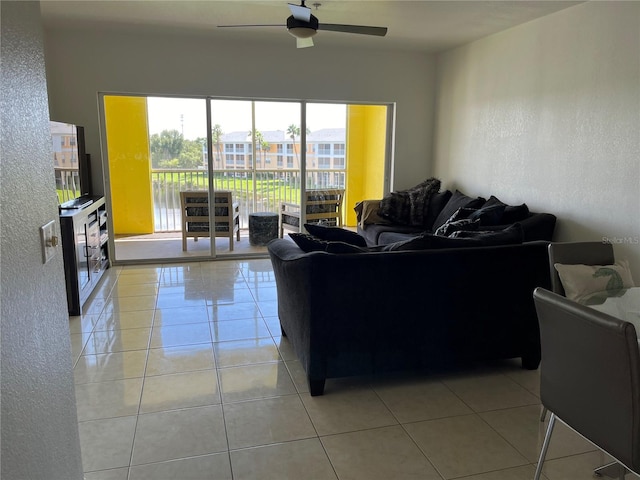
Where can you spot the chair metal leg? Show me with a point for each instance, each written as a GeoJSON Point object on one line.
{"type": "Point", "coordinates": [545, 446]}
{"type": "Point", "coordinates": [543, 414]}
{"type": "Point", "coordinates": [611, 470]}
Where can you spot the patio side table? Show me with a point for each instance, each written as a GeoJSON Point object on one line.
{"type": "Point", "coordinates": [263, 227]}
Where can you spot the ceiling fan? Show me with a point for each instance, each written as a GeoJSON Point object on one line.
{"type": "Point", "coordinates": [303, 25]}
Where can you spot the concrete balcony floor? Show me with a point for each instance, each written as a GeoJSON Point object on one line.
{"type": "Point", "coordinates": [168, 245]}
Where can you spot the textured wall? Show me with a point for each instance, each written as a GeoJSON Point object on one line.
{"type": "Point", "coordinates": [549, 113]}
{"type": "Point", "coordinates": [39, 423]}
{"type": "Point", "coordinates": [81, 63]}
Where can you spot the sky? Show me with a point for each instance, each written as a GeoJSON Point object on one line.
{"type": "Point", "coordinates": [189, 115]}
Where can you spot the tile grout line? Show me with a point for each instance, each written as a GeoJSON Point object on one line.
{"type": "Point", "coordinates": [224, 423]}
{"type": "Point", "coordinates": [413, 441]}
{"type": "Point", "coordinates": [144, 380]}
{"type": "Point", "coordinates": [219, 380]}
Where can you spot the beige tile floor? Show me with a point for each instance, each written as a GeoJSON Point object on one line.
{"type": "Point", "coordinates": [181, 374]}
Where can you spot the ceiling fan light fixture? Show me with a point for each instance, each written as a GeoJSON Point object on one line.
{"type": "Point", "coordinates": [302, 32]}
{"type": "Point", "coordinates": [304, 42]}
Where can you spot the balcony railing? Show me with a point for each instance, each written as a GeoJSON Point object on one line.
{"type": "Point", "coordinates": [255, 190]}
{"type": "Point", "coordinates": [67, 183]}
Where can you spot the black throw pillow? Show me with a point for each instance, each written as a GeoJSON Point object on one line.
{"type": "Point", "coordinates": [489, 214]}
{"type": "Point", "coordinates": [437, 203]}
{"type": "Point", "coordinates": [335, 234]}
{"type": "Point", "coordinates": [493, 201]}
{"type": "Point", "coordinates": [515, 213]}
{"type": "Point", "coordinates": [512, 213]}
{"type": "Point", "coordinates": [309, 243]}
{"type": "Point", "coordinates": [457, 200]}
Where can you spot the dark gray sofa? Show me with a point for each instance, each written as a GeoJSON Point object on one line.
{"type": "Point", "coordinates": [367, 313]}
{"type": "Point", "coordinates": [536, 226]}
{"type": "Point", "coordinates": [378, 229]}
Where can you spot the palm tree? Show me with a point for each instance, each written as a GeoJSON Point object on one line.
{"type": "Point", "coordinates": [216, 137]}
{"type": "Point", "coordinates": [294, 131]}
{"type": "Point", "coordinates": [261, 144]}
{"type": "Point", "coordinates": [264, 147]}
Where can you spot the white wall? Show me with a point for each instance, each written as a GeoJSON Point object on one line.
{"type": "Point", "coordinates": [39, 421]}
{"type": "Point", "coordinates": [548, 113]}
{"type": "Point", "coordinates": [82, 62]}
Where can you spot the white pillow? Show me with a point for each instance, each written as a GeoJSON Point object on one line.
{"type": "Point", "coordinates": [581, 282]}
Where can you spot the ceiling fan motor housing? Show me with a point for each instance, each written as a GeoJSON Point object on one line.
{"type": "Point", "coordinates": [302, 29]}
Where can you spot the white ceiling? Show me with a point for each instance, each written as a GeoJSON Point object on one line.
{"type": "Point", "coordinates": [428, 26]}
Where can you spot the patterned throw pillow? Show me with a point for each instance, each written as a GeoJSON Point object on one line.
{"type": "Point", "coordinates": [410, 207]}
{"type": "Point", "coordinates": [458, 221]}
{"type": "Point", "coordinates": [588, 284]}
{"type": "Point", "coordinates": [465, 224]}
{"type": "Point", "coordinates": [457, 200]}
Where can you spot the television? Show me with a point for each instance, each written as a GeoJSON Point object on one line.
{"type": "Point", "coordinates": [71, 165]}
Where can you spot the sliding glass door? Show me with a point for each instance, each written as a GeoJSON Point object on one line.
{"type": "Point", "coordinates": [156, 148]}
{"type": "Point", "coordinates": [253, 157]}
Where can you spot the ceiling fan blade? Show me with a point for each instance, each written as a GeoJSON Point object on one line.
{"type": "Point", "coordinates": [300, 12]}
{"type": "Point", "coordinates": [361, 29]}
{"type": "Point", "coordinates": [234, 26]}
{"type": "Point", "coordinates": [304, 42]}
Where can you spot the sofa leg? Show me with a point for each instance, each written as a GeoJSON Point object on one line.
{"type": "Point", "coordinates": [530, 362]}
{"type": "Point", "coordinates": [316, 386]}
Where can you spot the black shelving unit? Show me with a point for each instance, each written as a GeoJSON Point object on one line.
{"type": "Point", "coordinates": [85, 250]}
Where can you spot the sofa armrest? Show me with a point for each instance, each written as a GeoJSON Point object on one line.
{"type": "Point", "coordinates": [285, 249]}
{"type": "Point", "coordinates": [537, 226]}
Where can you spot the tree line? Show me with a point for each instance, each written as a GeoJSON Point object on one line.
{"type": "Point", "coordinates": [169, 149]}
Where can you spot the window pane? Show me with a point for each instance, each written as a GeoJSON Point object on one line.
{"type": "Point", "coordinates": [326, 145]}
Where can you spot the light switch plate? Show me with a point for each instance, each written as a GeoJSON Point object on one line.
{"type": "Point", "coordinates": [48, 241]}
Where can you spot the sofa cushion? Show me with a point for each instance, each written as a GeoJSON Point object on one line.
{"type": "Point", "coordinates": [437, 203]}
{"type": "Point", "coordinates": [511, 213]}
{"type": "Point", "coordinates": [335, 234]}
{"type": "Point", "coordinates": [309, 243]}
{"type": "Point", "coordinates": [590, 284]}
{"type": "Point", "coordinates": [515, 213]}
{"type": "Point", "coordinates": [489, 214]}
{"type": "Point", "coordinates": [428, 241]}
{"type": "Point", "coordinates": [385, 238]}
{"type": "Point", "coordinates": [536, 226]}
{"type": "Point", "coordinates": [457, 200]}
{"type": "Point", "coordinates": [512, 235]}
